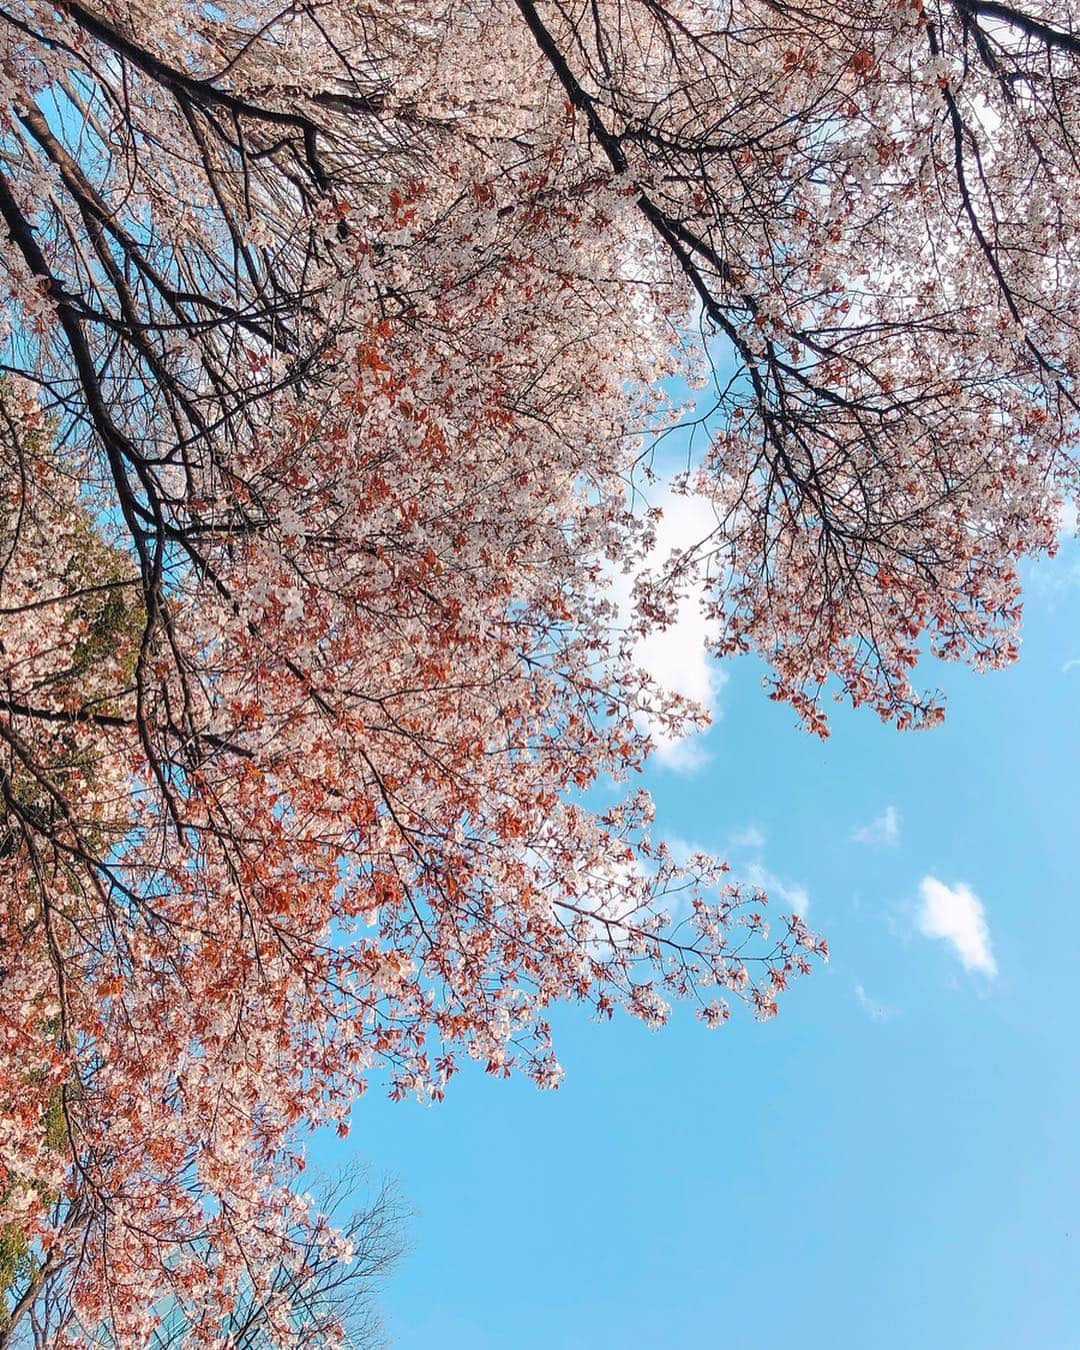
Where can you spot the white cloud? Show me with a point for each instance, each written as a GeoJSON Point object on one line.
{"type": "Point", "coordinates": [1070, 665]}
{"type": "Point", "coordinates": [877, 1012]}
{"type": "Point", "coordinates": [956, 914]}
{"type": "Point", "coordinates": [883, 829]}
{"type": "Point", "coordinates": [787, 897]}
{"type": "Point", "coordinates": [682, 850]}
{"type": "Point", "coordinates": [676, 656]}
{"type": "Point", "coordinates": [750, 837]}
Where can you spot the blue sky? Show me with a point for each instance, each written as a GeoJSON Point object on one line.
{"type": "Point", "coordinates": [889, 1164]}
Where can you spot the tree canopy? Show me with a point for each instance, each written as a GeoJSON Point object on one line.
{"type": "Point", "coordinates": [337, 338]}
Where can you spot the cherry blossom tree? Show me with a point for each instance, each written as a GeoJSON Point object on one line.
{"type": "Point", "coordinates": [319, 1292]}
{"type": "Point", "coordinates": [336, 339]}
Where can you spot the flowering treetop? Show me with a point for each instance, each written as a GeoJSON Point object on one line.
{"type": "Point", "coordinates": [335, 336]}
